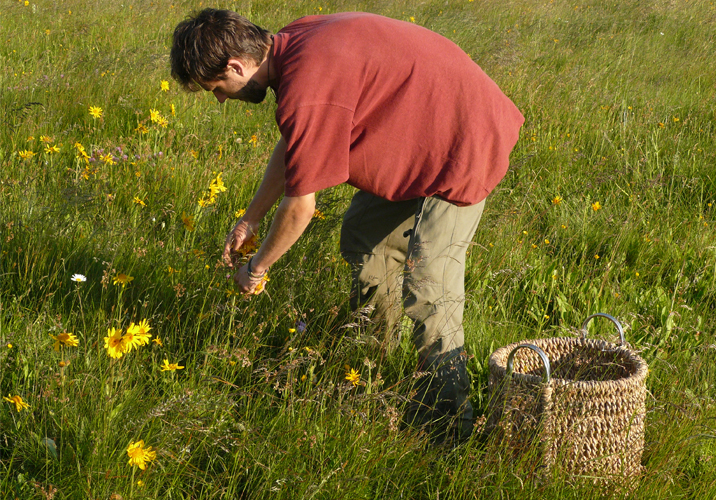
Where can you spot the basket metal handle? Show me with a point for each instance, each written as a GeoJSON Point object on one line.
{"type": "Point", "coordinates": [542, 355]}
{"type": "Point", "coordinates": [610, 318]}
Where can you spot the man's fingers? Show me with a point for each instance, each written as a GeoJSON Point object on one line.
{"type": "Point", "coordinates": [226, 256]}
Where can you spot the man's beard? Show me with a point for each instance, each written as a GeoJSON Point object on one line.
{"type": "Point", "coordinates": [252, 92]}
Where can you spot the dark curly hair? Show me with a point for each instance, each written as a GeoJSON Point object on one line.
{"type": "Point", "coordinates": [204, 42]}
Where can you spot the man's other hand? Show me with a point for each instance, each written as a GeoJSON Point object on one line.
{"type": "Point", "coordinates": [242, 234]}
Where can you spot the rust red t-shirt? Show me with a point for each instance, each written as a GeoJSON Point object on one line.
{"type": "Point", "coordinates": [389, 107]}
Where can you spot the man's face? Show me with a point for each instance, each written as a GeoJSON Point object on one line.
{"type": "Point", "coordinates": [237, 83]}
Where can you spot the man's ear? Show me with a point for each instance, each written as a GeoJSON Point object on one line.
{"type": "Point", "coordinates": [236, 65]}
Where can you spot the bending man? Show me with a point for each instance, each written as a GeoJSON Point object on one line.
{"type": "Point", "coordinates": [402, 114]}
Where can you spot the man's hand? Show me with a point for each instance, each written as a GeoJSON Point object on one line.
{"type": "Point", "coordinates": [292, 217]}
{"type": "Point", "coordinates": [243, 234]}
{"type": "Point", "coordinates": [247, 284]}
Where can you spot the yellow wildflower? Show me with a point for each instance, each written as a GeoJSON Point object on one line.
{"type": "Point", "coordinates": [95, 111]}
{"type": "Point", "coordinates": [81, 150]}
{"type": "Point", "coordinates": [154, 115]}
{"type": "Point", "coordinates": [163, 122]}
{"type": "Point", "coordinates": [139, 455]}
{"type": "Point", "coordinates": [46, 139]}
{"type": "Point", "coordinates": [248, 246]}
{"type": "Point", "coordinates": [130, 340]}
{"type": "Point", "coordinates": [113, 343]}
{"type": "Point", "coordinates": [139, 201]}
{"type": "Point", "coordinates": [173, 110]}
{"type": "Point", "coordinates": [26, 155]}
{"type": "Point", "coordinates": [556, 200]}
{"type": "Point", "coordinates": [239, 213]}
{"type": "Point", "coordinates": [141, 129]}
{"type": "Point", "coordinates": [188, 221]}
{"type": "Point", "coordinates": [141, 331]}
{"type": "Point", "coordinates": [353, 377]}
{"type": "Point", "coordinates": [107, 159]}
{"type": "Point", "coordinates": [122, 279]}
{"type": "Point", "coordinates": [170, 367]}
{"type": "Point", "coordinates": [261, 285]}
{"type": "Point", "coordinates": [158, 341]}
{"type": "Point", "coordinates": [17, 401]}
{"type": "Point", "coordinates": [254, 140]}
{"type": "Point", "coordinates": [51, 149]}
{"type": "Point", "coordinates": [217, 185]}
{"type": "Point", "coordinates": [596, 206]}
{"type": "Point", "coordinates": [67, 339]}
{"type": "Point", "coordinates": [319, 215]}
{"type": "Point", "coordinates": [165, 86]}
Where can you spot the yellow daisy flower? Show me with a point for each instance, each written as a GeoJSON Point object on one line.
{"type": "Point", "coordinates": [353, 376]}
{"type": "Point", "coordinates": [130, 340]}
{"type": "Point", "coordinates": [170, 367]}
{"type": "Point", "coordinates": [113, 343]}
{"type": "Point", "coordinates": [17, 401]}
{"type": "Point", "coordinates": [188, 221]}
{"type": "Point", "coordinates": [67, 339]}
{"type": "Point", "coordinates": [122, 279]}
{"type": "Point", "coordinates": [141, 331]}
{"type": "Point", "coordinates": [139, 455]}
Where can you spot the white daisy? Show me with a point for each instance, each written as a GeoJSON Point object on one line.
{"type": "Point", "coordinates": [79, 278]}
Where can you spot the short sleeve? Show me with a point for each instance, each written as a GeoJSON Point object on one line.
{"type": "Point", "coordinates": [318, 138]}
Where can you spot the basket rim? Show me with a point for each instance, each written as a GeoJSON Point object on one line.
{"type": "Point", "coordinates": [498, 362]}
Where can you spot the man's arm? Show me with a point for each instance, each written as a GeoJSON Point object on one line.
{"type": "Point", "coordinates": [292, 217]}
{"type": "Point", "coordinates": [269, 192]}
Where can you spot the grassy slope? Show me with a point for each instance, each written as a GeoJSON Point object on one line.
{"type": "Point", "coordinates": [619, 100]}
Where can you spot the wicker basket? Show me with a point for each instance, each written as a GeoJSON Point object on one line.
{"type": "Point", "coordinates": [581, 401]}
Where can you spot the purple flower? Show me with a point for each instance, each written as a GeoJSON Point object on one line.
{"type": "Point", "coordinates": [300, 326]}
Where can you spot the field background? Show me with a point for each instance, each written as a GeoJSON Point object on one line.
{"type": "Point", "coordinates": [619, 100]}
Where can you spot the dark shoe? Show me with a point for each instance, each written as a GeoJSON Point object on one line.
{"type": "Point", "coordinates": [441, 405]}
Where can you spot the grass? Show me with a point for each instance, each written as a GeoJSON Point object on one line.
{"type": "Point", "coordinates": [619, 103]}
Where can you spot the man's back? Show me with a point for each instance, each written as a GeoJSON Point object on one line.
{"type": "Point", "coordinates": [389, 107]}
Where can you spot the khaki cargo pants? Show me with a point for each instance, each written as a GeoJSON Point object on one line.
{"type": "Point", "coordinates": [410, 256]}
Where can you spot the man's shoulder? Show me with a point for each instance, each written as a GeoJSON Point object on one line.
{"type": "Point", "coordinates": [329, 21]}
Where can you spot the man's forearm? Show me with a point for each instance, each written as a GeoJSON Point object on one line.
{"type": "Point", "coordinates": [291, 219]}
{"type": "Point", "coordinates": [271, 187]}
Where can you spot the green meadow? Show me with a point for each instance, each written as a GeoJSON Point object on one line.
{"type": "Point", "coordinates": [608, 206]}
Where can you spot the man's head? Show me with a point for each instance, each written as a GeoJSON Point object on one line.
{"type": "Point", "coordinates": [216, 45]}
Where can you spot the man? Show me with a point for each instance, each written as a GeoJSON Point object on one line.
{"type": "Point", "coordinates": [405, 116]}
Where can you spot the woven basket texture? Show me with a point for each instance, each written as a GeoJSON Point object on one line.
{"type": "Point", "coordinates": [589, 417]}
